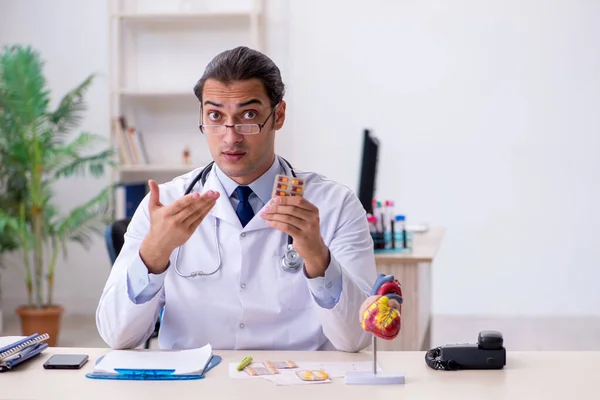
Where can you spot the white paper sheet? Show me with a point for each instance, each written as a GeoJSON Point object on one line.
{"type": "Point", "coordinates": [8, 340]}
{"type": "Point", "coordinates": [182, 361]}
{"type": "Point", "coordinates": [333, 369]}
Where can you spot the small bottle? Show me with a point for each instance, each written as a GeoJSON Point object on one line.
{"type": "Point", "coordinates": [392, 234]}
{"type": "Point", "coordinates": [381, 225]}
{"type": "Point", "coordinates": [389, 218]}
{"type": "Point", "coordinates": [377, 235]}
{"type": "Point", "coordinates": [372, 227]}
{"type": "Point", "coordinates": [400, 227]}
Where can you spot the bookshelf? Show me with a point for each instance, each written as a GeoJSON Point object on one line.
{"type": "Point", "coordinates": [158, 51]}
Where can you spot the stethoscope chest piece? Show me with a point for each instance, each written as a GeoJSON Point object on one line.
{"type": "Point", "coordinates": [291, 260]}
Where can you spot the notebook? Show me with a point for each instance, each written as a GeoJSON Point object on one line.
{"type": "Point", "coordinates": [155, 365]}
{"type": "Point", "coordinates": [16, 349]}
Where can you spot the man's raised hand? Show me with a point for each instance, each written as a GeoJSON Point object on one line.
{"type": "Point", "coordinates": [172, 225]}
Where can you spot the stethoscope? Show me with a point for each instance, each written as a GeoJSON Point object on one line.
{"type": "Point", "coordinates": [290, 260]}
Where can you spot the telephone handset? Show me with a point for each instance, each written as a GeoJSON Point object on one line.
{"type": "Point", "coordinates": [487, 353]}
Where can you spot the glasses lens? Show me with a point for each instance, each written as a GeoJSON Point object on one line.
{"type": "Point", "coordinates": [247, 129]}
{"type": "Point", "coordinates": [213, 129]}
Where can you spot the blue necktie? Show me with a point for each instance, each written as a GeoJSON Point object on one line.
{"type": "Point", "coordinates": [244, 209]}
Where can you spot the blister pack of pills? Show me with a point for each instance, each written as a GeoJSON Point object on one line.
{"type": "Point", "coordinates": [280, 364]}
{"type": "Point", "coordinates": [260, 369]}
{"type": "Point", "coordinates": [269, 367]}
{"type": "Point", "coordinates": [310, 375]}
{"type": "Point", "coordinates": [285, 185]}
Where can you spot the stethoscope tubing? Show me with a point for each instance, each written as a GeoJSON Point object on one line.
{"type": "Point", "coordinates": [290, 261]}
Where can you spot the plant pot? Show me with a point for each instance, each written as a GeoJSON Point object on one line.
{"type": "Point", "coordinates": [41, 320]}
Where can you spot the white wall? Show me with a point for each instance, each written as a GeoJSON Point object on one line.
{"type": "Point", "coordinates": [488, 113]}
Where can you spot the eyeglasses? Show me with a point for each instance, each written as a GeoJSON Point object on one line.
{"type": "Point", "coordinates": [242, 129]}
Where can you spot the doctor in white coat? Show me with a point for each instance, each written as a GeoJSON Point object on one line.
{"type": "Point", "coordinates": [207, 246]}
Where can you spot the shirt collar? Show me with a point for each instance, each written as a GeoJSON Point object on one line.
{"type": "Point", "coordinates": [262, 187]}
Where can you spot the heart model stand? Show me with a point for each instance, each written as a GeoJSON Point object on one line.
{"type": "Point", "coordinates": [382, 318]}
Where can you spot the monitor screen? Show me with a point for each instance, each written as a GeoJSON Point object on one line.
{"type": "Point", "coordinates": [368, 171]}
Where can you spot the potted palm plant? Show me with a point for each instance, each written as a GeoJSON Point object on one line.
{"type": "Point", "coordinates": [37, 148]}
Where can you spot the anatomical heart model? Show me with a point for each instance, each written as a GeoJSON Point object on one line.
{"type": "Point", "coordinates": [381, 313]}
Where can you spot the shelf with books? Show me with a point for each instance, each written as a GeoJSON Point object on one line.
{"type": "Point", "coordinates": [175, 141]}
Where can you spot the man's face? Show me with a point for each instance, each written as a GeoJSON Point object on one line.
{"type": "Point", "coordinates": [244, 158]}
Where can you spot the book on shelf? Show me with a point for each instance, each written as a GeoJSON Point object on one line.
{"type": "Point", "coordinates": [134, 194]}
{"type": "Point", "coordinates": [132, 151]}
{"type": "Point", "coordinates": [130, 142]}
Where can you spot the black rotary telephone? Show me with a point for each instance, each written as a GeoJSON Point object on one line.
{"type": "Point", "coordinates": [487, 353]}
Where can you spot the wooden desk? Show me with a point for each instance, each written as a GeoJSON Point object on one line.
{"type": "Point", "coordinates": [529, 375]}
{"type": "Point", "coordinates": [413, 271]}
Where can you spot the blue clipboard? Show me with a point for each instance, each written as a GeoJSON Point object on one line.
{"type": "Point", "coordinates": [153, 374]}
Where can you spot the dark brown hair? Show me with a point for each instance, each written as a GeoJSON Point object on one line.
{"type": "Point", "coordinates": [243, 63]}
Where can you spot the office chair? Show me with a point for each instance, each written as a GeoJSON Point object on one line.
{"type": "Point", "coordinates": [114, 237]}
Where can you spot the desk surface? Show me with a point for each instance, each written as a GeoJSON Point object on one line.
{"type": "Point", "coordinates": [425, 248]}
{"type": "Point", "coordinates": [528, 375]}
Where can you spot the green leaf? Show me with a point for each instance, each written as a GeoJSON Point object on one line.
{"type": "Point", "coordinates": [95, 164]}
{"type": "Point", "coordinates": [69, 112]}
{"type": "Point", "coordinates": [10, 228]}
{"type": "Point", "coordinates": [87, 219]}
{"type": "Point", "coordinates": [23, 93]}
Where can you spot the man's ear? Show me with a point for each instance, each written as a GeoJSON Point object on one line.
{"type": "Point", "coordinates": [280, 115]}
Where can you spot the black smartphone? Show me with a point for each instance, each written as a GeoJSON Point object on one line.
{"type": "Point", "coordinates": [66, 361]}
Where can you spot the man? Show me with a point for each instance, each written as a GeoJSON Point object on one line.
{"type": "Point", "coordinates": [211, 258]}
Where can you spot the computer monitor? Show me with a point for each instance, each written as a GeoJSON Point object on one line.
{"type": "Point", "coordinates": [368, 171]}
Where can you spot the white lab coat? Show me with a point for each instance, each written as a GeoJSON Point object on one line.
{"type": "Point", "coordinates": [250, 303]}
